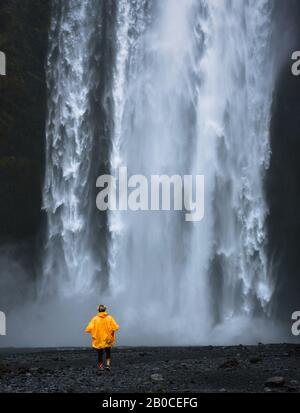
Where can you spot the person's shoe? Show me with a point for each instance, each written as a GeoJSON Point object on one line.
{"type": "Point", "coordinates": [107, 368]}
{"type": "Point", "coordinates": [101, 366]}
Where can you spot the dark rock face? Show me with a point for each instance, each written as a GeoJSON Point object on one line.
{"type": "Point", "coordinates": [23, 38]}
{"type": "Point", "coordinates": [283, 177]}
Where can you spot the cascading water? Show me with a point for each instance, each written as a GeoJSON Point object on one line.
{"type": "Point", "coordinates": [70, 263]}
{"type": "Point", "coordinates": [239, 265]}
{"type": "Point", "coordinates": [190, 93]}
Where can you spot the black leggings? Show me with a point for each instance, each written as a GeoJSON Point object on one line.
{"type": "Point", "coordinates": [100, 354]}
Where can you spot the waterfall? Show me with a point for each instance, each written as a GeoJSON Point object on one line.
{"type": "Point", "coordinates": [69, 263]}
{"type": "Point", "coordinates": [190, 93]}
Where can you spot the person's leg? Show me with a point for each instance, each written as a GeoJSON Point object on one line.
{"type": "Point", "coordinates": [100, 358]}
{"type": "Point", "coordinates": [108, 357]}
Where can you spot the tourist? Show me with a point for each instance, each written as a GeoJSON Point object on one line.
{"type": "Point", "coordinates": [102, 329]}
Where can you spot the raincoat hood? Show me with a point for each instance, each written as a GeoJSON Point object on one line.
{"type": "Point", "coordinates": [103, 314]}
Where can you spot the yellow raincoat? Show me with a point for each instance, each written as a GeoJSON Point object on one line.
{"type": "Point", "coordinates": [102, 329]}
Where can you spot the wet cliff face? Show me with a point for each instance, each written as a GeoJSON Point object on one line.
{"type": "Point", "coordinates": [23, 37]}
{"type": "Point", "coordinates": [283, 178]}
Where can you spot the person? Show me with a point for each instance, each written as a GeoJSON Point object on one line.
{"type": "Point", "coordinates": [102, 328]}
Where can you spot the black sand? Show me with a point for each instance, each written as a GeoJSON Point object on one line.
{"type": "Point", "coordinates": [203, 369]}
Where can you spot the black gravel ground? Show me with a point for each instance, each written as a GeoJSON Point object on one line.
{"type": "Point", "coordinates": [262, 368]}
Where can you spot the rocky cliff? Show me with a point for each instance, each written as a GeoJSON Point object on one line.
{"type": "Point", "coordinates": [23, 38]}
